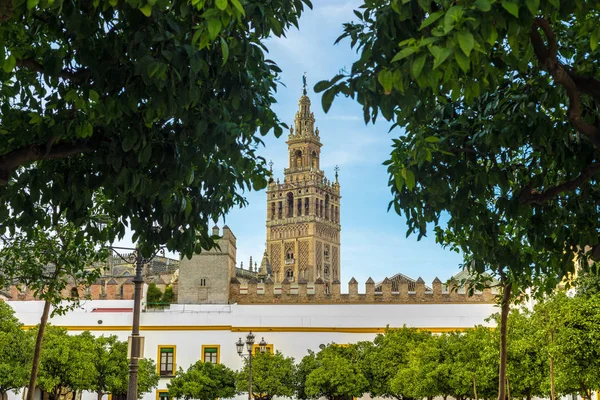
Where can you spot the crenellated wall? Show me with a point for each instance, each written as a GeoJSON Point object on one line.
{"type": "Point", "coordinates": [319, 293]}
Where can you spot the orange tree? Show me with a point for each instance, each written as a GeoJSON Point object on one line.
{"type": "Point", "coordinates": [499, 104]}
{"type": "Point", "coordinates": [160, 104]}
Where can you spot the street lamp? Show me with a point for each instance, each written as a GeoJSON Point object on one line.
{"type": "Point", "coordinates": [262, 345]}
{"type": "Point", "coordinates": [135, 258]}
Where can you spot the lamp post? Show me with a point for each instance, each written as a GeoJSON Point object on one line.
{"type": "Point", "coordinates": [249, 345]}
{"type": "Point", "coordinates": [135, 258]}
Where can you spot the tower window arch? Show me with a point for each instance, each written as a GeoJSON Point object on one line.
{"type": "Point", "coordinates": [290, 204]}
{"type": "Point", "coordinates": [327, 206]}
{"type": "Point", "coordinates": [314, 160]}
{"type": "Point", "coordinates": [289, 273]}
{"type": "Point", "coordinates": [298, 158]}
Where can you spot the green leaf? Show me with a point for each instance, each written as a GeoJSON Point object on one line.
{"type": "Point", "coordinates": [405, 52]}
{"type": "Point", "coordinates": [146, 10]}
{"type": "Point", "coordinates": [431, 19]}
{"type": "Point", "coordinates": [594, 40]}
{"type": "Point", "coordinates": [440, 54]}
{"type": "Point", "coordinates": [409, 177]}
{"type": "Point", "coordinates": [32, 3]}
{"type": "Point", "coordinates": [432, 139]}
{"type": "Point", "coordinates": [9, 64]}
{"type": "Point", "coordinates": [386, 79]}
{"type": "Point", "coordinates": [87, 130]}
{"type": "Point", "coordinates": [533, 6]}
{"type": "Point", "coordinates": [221, 4]}
{"type": "Point", "coordinates": [398, 80]}
{"type": "Point", "coordinates": [238, 6]}
{"type": "Point", "coordinates": [511, 7]}
{"type": "Point", "coordinates": [483, 5]}
{"type": "Point", "coordinates": [466, 42]}
{"type": "Point", "coordinates": [113, 3]}
{"type": "Point", "coordinates": [418, 64]}
{"type": "Point", "coordinates": [224, 50]}
{"type": "Point", "coordinates": [453, 15]}
{"type": "Point", "coordinates": [94, 96]}
{"type": "Point", "coordinates": [327, 99]}
{"type": "Point", "coordinates": [399, 182]}
{"type": "Point", "coordinates": [463, 61]}
{"type": "Point", "coordinates": [214, 27]}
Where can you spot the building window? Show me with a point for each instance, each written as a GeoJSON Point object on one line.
{"type": "Point", "coordinates": [256, 349]}
{"type": "Point", "coordinates": [166, 360]}
{"type": "Point", "coordinates": [211, 354]}
{"type": "Point", "coordinates": [163, 394]}
{"type": "Point", "coordinates": [203, 282]}
{"type": "Point", "coordinates": [289, 273]}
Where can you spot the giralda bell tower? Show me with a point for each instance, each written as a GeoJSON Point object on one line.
{"type": "Point", "coordinates": [303, 212]}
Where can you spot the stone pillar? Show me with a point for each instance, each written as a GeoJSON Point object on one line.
{"type": "Point", "coordinates": [436, 285]}
{"type": "Point", "coordinates": [302, 291]}
{"type": "Point", "coordinates": [336, 290]}
{"type": "Point", "coordinates": [403, 289]}
{"type": "Point", "coordinates": [319, 290]}
{"type": "Point", "coordinates": [420, 289]}
{"type": "Point", "coordinates": [386, 290]}
{"type": "Point", "coordinates": [370, 290]}
{"type": "Point", "coordinates": [353, 288]}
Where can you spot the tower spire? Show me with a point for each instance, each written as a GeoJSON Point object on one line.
{"type": "Point", "coordinates": [304, 84]}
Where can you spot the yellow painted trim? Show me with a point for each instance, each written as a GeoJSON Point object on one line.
{"type": "Point", "coordinates": [247, 328]}
{"type": "Point", "coordinates": [256, 348]}
{"type": "Point", "coordinates": [167, 346]}
{"type": "Point", "coordinates": [218, 346]}
{"type": "Point", "coordinates": [159, 391]}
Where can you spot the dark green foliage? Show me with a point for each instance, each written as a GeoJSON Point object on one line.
{"type": "Point", "coordinates": [203, 381]}
{"type": "Point", "coordinates": [161, 105]}
{"type": "Point", "coordinates": [272, 375]}
{"type": "Point", "coordinates": [154, 294]}
{"type": "Point", "coordinates": [333, 373]}
{"type": "Point", "coordinates": [500, 135]}
{"type": "Point", "coordinates": [16, 349]}
{"type": "Point", "coordinates": [169, 296]}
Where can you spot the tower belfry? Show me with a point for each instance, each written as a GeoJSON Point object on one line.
{"type": "Point", "coordinates": [303, 211]}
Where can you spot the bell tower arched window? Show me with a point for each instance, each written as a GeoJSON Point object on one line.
{"type": "Point", "coordinates": [298, 158]}
{"type": "Point", "coordinates": [326, 206]}
{"type": "Point", "coordinates": [314, 160]}
{"type": "Point", "coordinates": [290, 205]}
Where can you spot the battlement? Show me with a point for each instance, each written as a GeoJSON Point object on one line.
{"type": "Point", "coordinates": [320, 293]}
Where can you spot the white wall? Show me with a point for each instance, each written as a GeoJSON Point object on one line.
{"type": "Point", "coordinates": [290, 328]}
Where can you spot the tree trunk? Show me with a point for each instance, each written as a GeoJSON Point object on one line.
{"type": "Point", "coordinates": [475, 386]}
{"type": "Point", "coordinates": [507, 388]}
{"type": "Point", "coordinates": [552, 390]}
{"type": "Point", "coordinates": [100, 395]}
{"type": "Point", "coordinates": [505, 309]}
{"type": "Point", "coordinates": [38, 351]}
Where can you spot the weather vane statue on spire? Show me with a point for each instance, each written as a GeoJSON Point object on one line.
{"type": "Point", "coordinates": [304, 84]}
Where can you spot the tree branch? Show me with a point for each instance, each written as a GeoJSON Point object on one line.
{"type": "Point", "coordinates": [26, 155]}
{"type": "Point", "coordinates": [529, 196]}
{"type": "Point", "coordinates": [548, 58]}
{"type": "Point", "coordinates": [78, 76]}
{"type": "Point", "coordinates": [586, 84]}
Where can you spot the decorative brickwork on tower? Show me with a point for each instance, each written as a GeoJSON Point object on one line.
{"type": "Point", "coordinates": [303, 212]}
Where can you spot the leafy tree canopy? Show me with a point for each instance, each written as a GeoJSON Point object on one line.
{"type": "Point", "coordinates": [16, 348]}
{"type": "Point", "coordinates": [390, 353]}
{"type": "Point", "coordinates": [498, 101]}
{"type": "Point", "coordinates": [203, 381]}
{"type": "Point", "coordinates": [155, 103]}
{"type": "Point", "coordinates": [272, 375]}
{"type": "Point", "coordinates": [335, 374]}
{"type": "Point", "coordinates": [65, 364]}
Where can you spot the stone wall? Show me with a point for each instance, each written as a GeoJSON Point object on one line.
{"type": "Point", "coordinates": [319, 293]}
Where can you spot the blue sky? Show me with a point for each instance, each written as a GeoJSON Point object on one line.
{"type": "Point", "coordinates": [373, 241]}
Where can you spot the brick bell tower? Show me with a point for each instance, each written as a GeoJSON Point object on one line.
{"type": "Point", "coordinates": [303, 212]}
